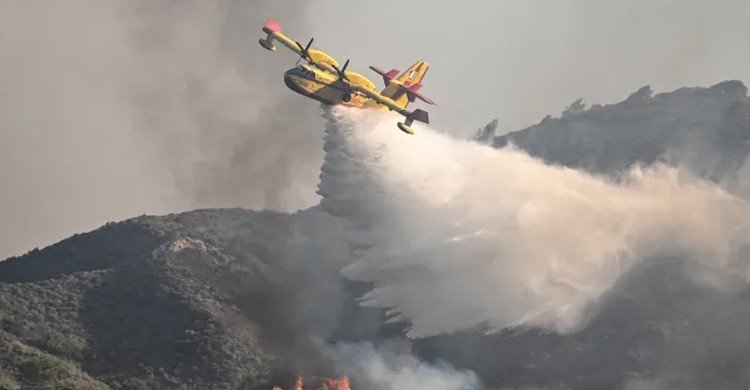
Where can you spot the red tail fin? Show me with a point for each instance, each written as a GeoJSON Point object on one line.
{"type": "Point", "coordinates": [402, 88]}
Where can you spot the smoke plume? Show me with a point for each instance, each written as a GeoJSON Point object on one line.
{"type": "Point", "coordinates": [114, 109]}
{"type": "Point", "coordinates": [456, 235]}
{"type": "Point", "coordinates": [392, 368]}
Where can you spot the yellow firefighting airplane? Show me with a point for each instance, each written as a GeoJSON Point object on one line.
{"type": "Point", "coordinates": [323, 80]}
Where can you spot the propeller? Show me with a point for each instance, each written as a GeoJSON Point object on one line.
{"type": "Point", "coordinates": [342, 72]}
{"type": "Point", "coordinates": [347, 83]}
{"type": "Point", "coordinates": [304, 51]}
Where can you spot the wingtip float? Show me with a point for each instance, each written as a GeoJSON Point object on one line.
{"type": "Point", "coordinates": [323, 79]}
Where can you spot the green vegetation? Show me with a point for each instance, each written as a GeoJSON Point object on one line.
{"type": "Point", "coordinates": [7, 382]}
{"type": "Point", "coordinates": [142, 304]}
{"type": "Point", "coordinates": [43, 373]}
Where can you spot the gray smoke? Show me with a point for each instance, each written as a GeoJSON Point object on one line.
{"type": "Point", "coordinates": [394, 367]}
{"type": "Point", "coordinates": [743, 181]}
{"type": "Point", "coordinates": [113, 109]}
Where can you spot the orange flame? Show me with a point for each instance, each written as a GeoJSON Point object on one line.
{"type": "Point", "coordinates": [325, 384]}
{"type": "Point", "coordinates": [335, 384]}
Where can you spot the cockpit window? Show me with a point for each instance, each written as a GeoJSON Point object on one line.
{"type": "Point", "coordinates": [304, 72]}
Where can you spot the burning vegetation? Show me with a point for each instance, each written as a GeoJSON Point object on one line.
{"type": "Point", "coordinates": [341, 383]}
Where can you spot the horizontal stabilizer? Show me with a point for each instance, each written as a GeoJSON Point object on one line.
{"type": "Point", "coordinates": [412, 93]}
{"type": "Point", "coordinates": [387, 76]}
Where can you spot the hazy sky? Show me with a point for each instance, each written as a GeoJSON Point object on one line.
{"type": "Point", "coordinates": [520, 60]}
{"type": "Point", "coordinates": [110, 109]}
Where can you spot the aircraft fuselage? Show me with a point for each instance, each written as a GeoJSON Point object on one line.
{"type": "Point", "coordinates": [322, 86]}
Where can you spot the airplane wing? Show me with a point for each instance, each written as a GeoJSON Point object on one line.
{"type": "Point", "coordinates": [411, 116]}
{"type": "Point", "coordinates": [314, 57]}
{"type": "Point", "coordinates": [386, 101]}
{"type": "Point", "coordinates": [273, 29]}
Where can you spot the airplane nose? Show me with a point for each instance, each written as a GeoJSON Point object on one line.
{"type": "Point", "coordinates": [289, 81]}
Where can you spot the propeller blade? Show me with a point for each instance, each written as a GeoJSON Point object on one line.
{"type": "Point", "coordinates": [342, 72]}
{"type": "Point", "coordinates": [304, 51]}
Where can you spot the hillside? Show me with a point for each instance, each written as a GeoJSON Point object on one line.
{"type": "Point", "coordinates": [195, 299]}
{"type": "Point", "coordinates": [238, 299]}
{"type": "Point", "coordinates": [705, 129]}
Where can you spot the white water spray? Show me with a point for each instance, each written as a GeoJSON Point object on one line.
{"type": "Point", "coordinates": [457, 235]}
